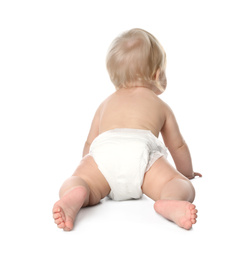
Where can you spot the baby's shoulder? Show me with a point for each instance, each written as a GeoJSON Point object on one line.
{"type": "Point", "coordinates": [166, 109]}
{"type": "Point", "coordinates": [164, 105]}
{"type": "Point", "coordinates": [106, 100]}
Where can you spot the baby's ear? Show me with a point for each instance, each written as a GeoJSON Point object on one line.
{"type": "Point", "coordinates": [156, 75]}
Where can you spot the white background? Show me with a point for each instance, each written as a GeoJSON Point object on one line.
{"type": "Point", "coordinates": [52, 79]}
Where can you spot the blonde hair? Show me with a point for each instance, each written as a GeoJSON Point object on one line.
{"type": "Point", "coordinates": [136, 56]}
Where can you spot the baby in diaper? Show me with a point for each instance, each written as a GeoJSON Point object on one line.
{"type": "Point", "coordinates": [123, 157]}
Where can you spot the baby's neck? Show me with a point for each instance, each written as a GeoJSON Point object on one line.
{"type": "Point", "coordinates": [139, 85]}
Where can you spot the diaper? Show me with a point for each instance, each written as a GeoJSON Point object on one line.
{"type": "Point", "coordinates": [124, 156]}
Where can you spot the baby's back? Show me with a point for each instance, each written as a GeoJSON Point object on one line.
{"type": "Point", "coordinates": [137, 108]}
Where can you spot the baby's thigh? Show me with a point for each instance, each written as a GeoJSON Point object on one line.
{"type": "Point", "coordinates": [89, 172]}
{"type": "Point", "coordinates": [158, 176]}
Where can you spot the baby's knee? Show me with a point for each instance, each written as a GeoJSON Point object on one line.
{"type": "Point", "coordinates": [95, 194]}
{"type": "Point", "coordinates": [190, 190]}
{"type": "Point", "coordinates": [94, 198]}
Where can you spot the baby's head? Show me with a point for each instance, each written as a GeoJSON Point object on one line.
{"type": "Point", "coordinates": [136, 58]}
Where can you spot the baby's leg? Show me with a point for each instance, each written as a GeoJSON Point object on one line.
{"type": "Point", "coordinates": [86, 187]}
{"type": "Point", "coordinates": [172, 192]}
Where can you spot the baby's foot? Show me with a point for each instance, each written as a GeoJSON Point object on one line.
{"type": "Point", "coordinates": [183, 213]}
{"type": "Point", "coordinates": [66, 209]}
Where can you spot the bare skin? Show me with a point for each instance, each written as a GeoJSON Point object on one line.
{"type": "Point", "coordinates": [137, 108]}
{"type": "Point", "coordinates": [66, 209]}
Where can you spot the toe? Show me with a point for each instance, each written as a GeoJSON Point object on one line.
{"type": "Point", "coordinates": [69, 225]}
{"type": "Point", "coordinates": [61, 225]}
{"type": "Point", "coordinates": [56, 209]}
{"type": "Point", "coordinates": [187, 225]}
{"type": "Point", "coordinates": [56, 215]}
{"type": "Point", "coordinates": [58, 221]}
{"type": "Point", "coordinates": [192, 207]}
{"type": "Point", "coordinates": [67, 229]}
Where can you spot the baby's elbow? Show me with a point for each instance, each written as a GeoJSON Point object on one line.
{"type": "Point", "coordinates": [179, 146]}
{"type": "Point", "coordinates": [87, 143]}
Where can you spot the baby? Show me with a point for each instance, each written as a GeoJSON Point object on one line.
{"type": "Point", "coordinates": [123, 157]}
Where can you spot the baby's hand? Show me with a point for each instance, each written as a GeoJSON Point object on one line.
{"type": "Point", "coordinates": [195, 174]}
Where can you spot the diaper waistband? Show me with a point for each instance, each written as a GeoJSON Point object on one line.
{"type": "Point", "coordinates": [124, 136]}
{"type": "Point", "coordinates": [129, 131]}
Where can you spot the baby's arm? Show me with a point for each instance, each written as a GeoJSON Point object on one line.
{"type": "Point", "coordinates": [94, 131]}
{"type": "Point", "coordinates": [177, 145]}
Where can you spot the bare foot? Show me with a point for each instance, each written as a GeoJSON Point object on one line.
{"type": "Point", "coordinates": [66, 209]}
{"type": "Point", "coordinates": [183, 213]}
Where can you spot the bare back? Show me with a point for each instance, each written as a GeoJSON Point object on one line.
{"type": "Point", "coordinates": [137, 108]}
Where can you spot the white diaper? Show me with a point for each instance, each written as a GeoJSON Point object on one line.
{"type": "Point", "coordinates": [124, 156]}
